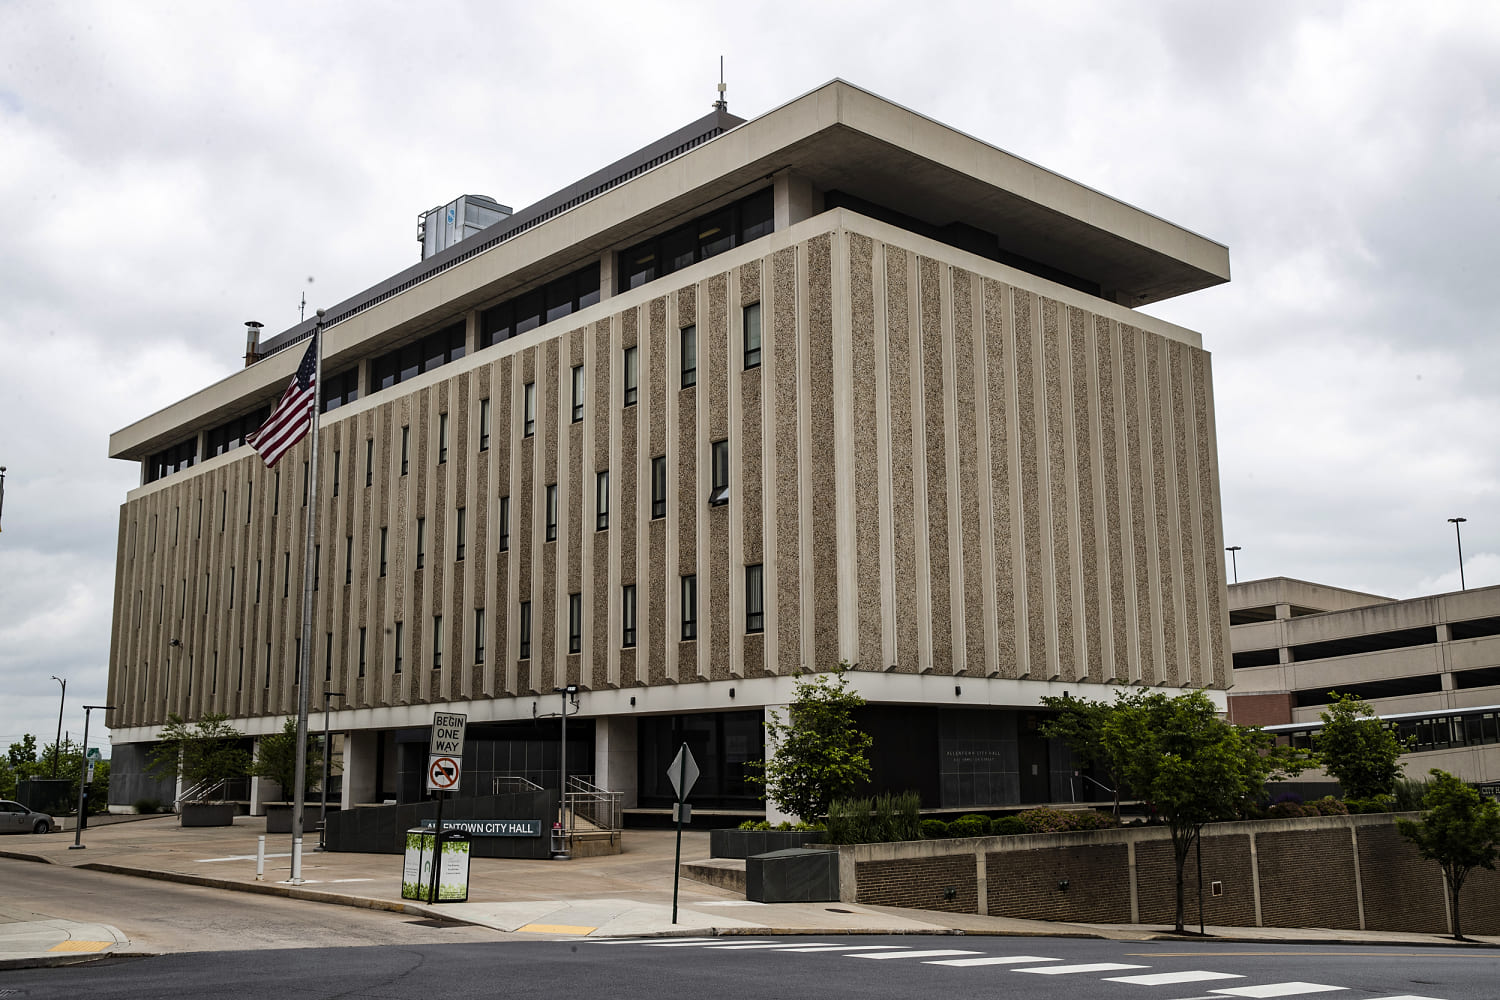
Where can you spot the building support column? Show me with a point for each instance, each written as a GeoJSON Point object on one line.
{"type": "Point", "coordinates": [359, 768]}
{"type": "Point", "coordinates": [615, 762]}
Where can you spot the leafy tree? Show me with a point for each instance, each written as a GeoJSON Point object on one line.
{"type": "Point", "coordinates": [1358, 749]}
{"type": "Point", "coordinates": [820, 754]}
{"type": "Point", "coordinates": [1189, 765]}
{"type": "Point", "coordinates": [276, 758]}
{"type": "Point", "coordinates": [23, 751]}
{"type": "Point", "coordinates": [1080, 724]}
{"type": "Point", "coordinates": [1460, 830]}
{"type": "Point", "coordinates": [203, 754]}
{"type": "Point", "coordinates": [7, 779]}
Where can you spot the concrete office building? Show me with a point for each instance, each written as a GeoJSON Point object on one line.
{"type": "Point", "coordinates": [835, 384]}
{"type": "Point", "coordinates": [1431, 665]}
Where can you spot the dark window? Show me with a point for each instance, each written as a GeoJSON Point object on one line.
{"type": "Point", "coordinates": [361, 651]}
{"type": "Point", "coordinates": [627, 615]}
{"type": "Point", "coordinates": [755, 608]}
{"type": "Point", "coordinates": [601, 500]}
{"type": "Point", "coordinates": [421, 542]}
{"type": "Point", "coordinates": [317, 564]}
{"type": "Point", "coordinates": [437, 642]}
{"type": "Point", "coordinates": [174, 459]}
{"type": "Point", "coordinates": [276, 495]}
{"type": "Point", "coordinates": [328, 659]}
{"type": "Point", "coordinates": [306, 482]}
{"type": "Point", "coordinates": [484, 424]}
{"type": "Point", "coordinates": [286, 573]}
{"type": "Point", "coordinates": [689, 607]}
{"type": "Point", "coordinates": [369, 461]}
{"type": "Point", "coordinates": [554, 300]}
{"type": "Point", "coordinates": [400, 627]}
{"type": "Point", "coordinates": [458, 549]}
{"type": "Point", "coordinates": [577, 393]}
{"type": "Point", "coordinates": [751, 326]}
{"type": "Point", "coordinates": [341, 389]}
{"type": "Point", "coordinates": [337, 455]}
{"type": "Point", "coordinates": [528, 425]}
{"type": "Point", "coordinates": [710, 234]}
{"type": "Point", "coordinates": [478, 635]}
{"type": "Point", "coordinates": [551, 513]}
{"type": "Point", "coordinates": [689, 356]}
{"type": "Point", "coordinates": [410, 360]}
{"type": "Point", "coordinates": [658, 487]}
{"type": "Point", "coordinates": [405, 448]}
{"type": "Point", "coordinates": [525, 630]}
{"type": "Point", "coordinates": [1257, 658]}
{"type": "Point", "coordinates": [348, 560]}
{"type": "Point", "coordinates": [504, 523]}
{"type": "Point", "coordinates": [383, 535]}
{"type": "Point", "coordinates": [575, 622]}
{"type": "Point", "coordinates": [231, 434]}
{"type": "Point", "coordinates": [719, 463]}
{"type": "Point", "coordinates": [442, 438]}
{"type": "Point", "coordinates": [630, 376]}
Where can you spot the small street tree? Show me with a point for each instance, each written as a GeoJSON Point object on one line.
{"type": "Point", "coordinates": [203, 754]}
{"type": "Point", "coordinates": [1190, 766]}
{"type": "Point", "coordinates": [1080, 724]}
{"type": "Point", "coordinates": [1358, 749]}
{"type": "Point", "coordinates": [1460, 830]}
{"type": "Point", "coordinates": [819, 752]}
{"type": "Point", "coordinates": [276, 759]}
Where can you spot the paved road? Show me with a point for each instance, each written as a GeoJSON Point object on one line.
{"type": "Point", "coordinates": [857, 968]}
{"type": "Point", "coordinates": [168, 917]}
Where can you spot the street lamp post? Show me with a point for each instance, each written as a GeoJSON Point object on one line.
{"type": "Point", "coordinates": [1457, 534]}
{"type": "Point", "coordinates": [1232, 549]}
{"type": "Point", "coordinates": [57, 744]}
{"type": "Point", "coordinates": [562, 789]}
{"type": "Point", "coordinates": [323, 810]}
{"type": "Point", "coordinates": [83, 775]}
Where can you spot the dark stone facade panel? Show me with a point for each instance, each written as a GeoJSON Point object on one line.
{"type": "Point", "coordinates": [903, 476]}
{"type": "Point", "coordinates": [782, 353]}
{"type": "Point", "coordinates": [818, 375]}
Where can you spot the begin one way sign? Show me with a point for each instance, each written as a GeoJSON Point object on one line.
{"type": "Point", "coordinates": [445, 751]}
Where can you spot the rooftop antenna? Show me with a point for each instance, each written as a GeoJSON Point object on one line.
{"type": "Point", "coordinates": [302, 312]}
{"type": "Point", "coordinates": [721, 104]}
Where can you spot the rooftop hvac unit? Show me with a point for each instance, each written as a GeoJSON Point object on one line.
{"type": "Point", "coordinates": [442, 227]}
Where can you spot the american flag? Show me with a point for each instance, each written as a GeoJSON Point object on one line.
{"type": "Point", "coordinates": [293, 416]}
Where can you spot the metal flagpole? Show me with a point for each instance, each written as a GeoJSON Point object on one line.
{"type": "Point", "coordinates": [307, 608]}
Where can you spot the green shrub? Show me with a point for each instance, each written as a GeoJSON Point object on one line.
{"type": "Point", "coordinates": [1045, 819]}
{"type": "Point", "coordinates": [147, 807]}
{"type": "Point", "coordinates": [972, 825]}
{"type": "Point", "coordinates": [1088, 819]}
{"type": "Point", "coordinates": [749, 824]}
{"type": "Point", "coordinates": [1378, 804]}
{"type": "Point", "coordinates": [1008, 826]}
{"type": "Point", "coordinates": [934, 829]}
{"type": "Point", "coordinates": [897, 817]}
{"type": "Point", "coordinates": [1409, 794]}
{"type": "Point", "coordinates": [805, 827]}
{"type": "Point", "coordinates": [1329, 806]}
{"type": "Point", "coordinates": [785, 826]}
{"type": "Point", "coordinates": [849, 821]}
{"type": "Point", "coordinates": [1290, 810]}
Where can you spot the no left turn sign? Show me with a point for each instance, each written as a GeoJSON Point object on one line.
{"type": "Point", "coordinates": [443, 773]}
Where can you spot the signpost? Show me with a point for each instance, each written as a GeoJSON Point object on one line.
{"type": "Point", "coordinates": [445, 761]}
{"type": "Point", "coordinates": [683, 774]}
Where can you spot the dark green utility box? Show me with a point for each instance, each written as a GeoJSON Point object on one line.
{"type": "Point", "coordinates": [796, 875]}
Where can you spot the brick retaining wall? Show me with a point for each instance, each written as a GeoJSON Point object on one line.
{"type": "Point", "coordinates": [1348, 872]}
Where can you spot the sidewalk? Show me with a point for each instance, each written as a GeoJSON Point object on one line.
{"type": "Point", "coordinates": [628, 894]}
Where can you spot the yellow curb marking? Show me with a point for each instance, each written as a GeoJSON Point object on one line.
{"type": "Point", "coordinates": [555, 929]}
{"type": "Point", "coordinates": [81, 946]}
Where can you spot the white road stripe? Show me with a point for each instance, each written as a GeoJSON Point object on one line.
{"type": "Point", "coordinates": [1169, 978]}
{"type": "Point", "coordinates": [1408, 996]}
{"type": "Point", "coordinates": [750, 947]}
{"type": "Point", "coordinates": [1066, 970]}
{"type": "Point", "coordinates": [643, 940]}
{"type": "Point", "coordinates": [816, 948]}
{"type": "Point", "coordinates": [237, 857]}
{"type": "Point", "coordinates": [966, 963]}
{"type": "Point", "coordinates": [694, 943]}
{"type": "Point", "coordinates": [1277, 990]}
{"type": "Point", "coordinates": [935, 953]}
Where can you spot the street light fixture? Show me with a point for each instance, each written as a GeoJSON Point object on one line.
{"type": "Point", "coordinates": [323, 810]}
{"type": "Point", "coordinates": [83, 775]}
{"type": "Point", "coordinates": [1232, 549]}
{"type": "Point", "coordinates": [1457, 534]}
{"type": "Point", "coordinates": [57, 743]}
{"type": "Point", "coordinates": [571, 691]}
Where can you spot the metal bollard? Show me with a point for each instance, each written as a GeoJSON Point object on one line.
{"type": "Point", "coordinates": [260, 858]}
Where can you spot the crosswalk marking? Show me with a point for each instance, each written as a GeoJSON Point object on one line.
{"type": "Point", "coordinates": [1277, 990]}
{"type": "Point", "coordinates": [1408, 996]}
{"type": "Point", "coordinates": [967, 963]}
{"type": "Point", "coordinates": [935, 953]}
{"type": "Point", "coordinates": [1067, 970]}
{"type": "Point", "coordinates": [815, 949]}
{"type": "Point", "coordinates": [694, 943]}
{"type": "Point", "coordinates": [1170, 978]}
{"type": "Point", "coordinates": [682, 940]}
{"type": "Point", "coordinates": [749, 947]}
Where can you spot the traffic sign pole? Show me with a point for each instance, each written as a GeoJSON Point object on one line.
{"type": "Point", "coordinates": [437, 852]}
{"type": "Point", "coordinates": [677, 862]}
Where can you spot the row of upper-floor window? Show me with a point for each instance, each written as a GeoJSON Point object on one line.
{"type": "Point", "coordinates": [723, 229]}
{"type": "Point", "coordinates": [233, 433]}
{"type": "Point", "coordinates": [754, 618]}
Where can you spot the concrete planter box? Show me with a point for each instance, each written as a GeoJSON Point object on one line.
{"type": "Point", "coordinates": [279, 819]}
{"type": "Point", "coordinates": [207, 814]}
{"type": "Point", "coordinates": [800, 875]}
{"type": "Point", "coordinates": [748, 843]}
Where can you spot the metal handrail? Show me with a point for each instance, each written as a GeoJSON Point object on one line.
{"type": "Point", "coordinates": [598, 807]}
{"type": "Point", "coordinates": [510, 784]}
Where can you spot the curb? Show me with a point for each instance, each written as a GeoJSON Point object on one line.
{"type": "Point", "coordinates": [18, 856]}
{"type": "Point", "coordinates": [53, 961]}
{"type": "Point", "coordinates": [264, 888]}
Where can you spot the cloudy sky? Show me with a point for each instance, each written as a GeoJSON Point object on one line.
{"type": "Point", "coordinates": [170, 170]}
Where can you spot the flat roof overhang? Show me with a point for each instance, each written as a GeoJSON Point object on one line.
{"type": "Point", "coordinates": [838, 137]}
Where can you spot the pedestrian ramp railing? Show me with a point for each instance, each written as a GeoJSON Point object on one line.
{"type": "Point", "coordinates": [586, 805]}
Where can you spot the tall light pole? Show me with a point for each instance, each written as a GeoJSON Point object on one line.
{"type": "Point", "coordinates": [571, 691]}
{"type": "Point", "coordinates": [1457, 534]}
{"type": "Point", "coordinates": [57, 743]}
{"type": "Point", "coordinates": [83, 775]}
{"type": "Point", "coordinates": [1232, 549]}
{"type": "Point", "coordinates": [323, 810]}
